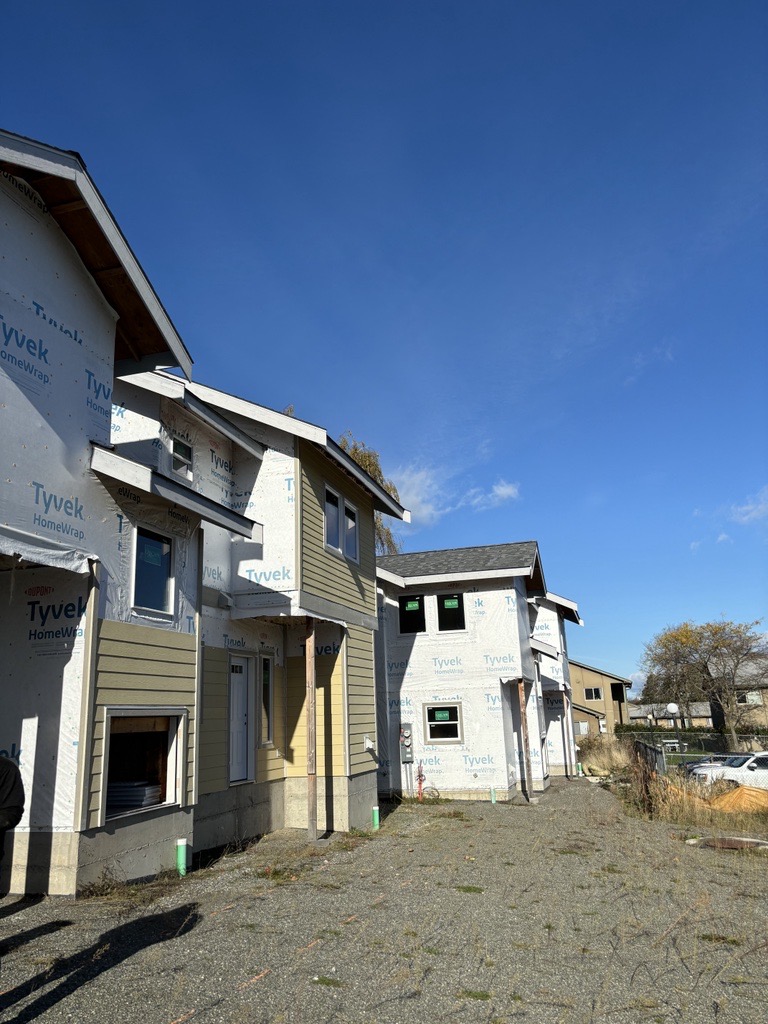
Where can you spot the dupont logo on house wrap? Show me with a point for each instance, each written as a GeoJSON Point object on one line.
{"type": "Point", "coordinates": [50, 503]}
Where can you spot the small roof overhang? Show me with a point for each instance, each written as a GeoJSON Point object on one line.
{"type": "Point", "coordinates": [568, 609]}
{"type": "Point", "coordinates": [177, 390]}
{"type": "Point", "coordinates": [144, 334]}
{"type": "Point", "coordinates": [149, 481]}
{"type": "Point", "coordinates": [382, 501]}
{"type": "Point", "coordinates": [541, 648]}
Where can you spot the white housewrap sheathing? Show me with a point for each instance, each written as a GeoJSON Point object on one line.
{"type": "Point", "coordinates": [478, 669]}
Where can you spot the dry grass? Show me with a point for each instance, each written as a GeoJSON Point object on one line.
{"type": "Point", "coordinates": [605, 755]}
{"type": "Point", "coordinates": [682, 801]}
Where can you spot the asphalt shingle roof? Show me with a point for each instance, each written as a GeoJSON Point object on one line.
{"type": "Point", "coordinates": [490, 558]}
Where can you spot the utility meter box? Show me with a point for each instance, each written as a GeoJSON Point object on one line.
{"type": "Point", "coordinates": [406, 743]}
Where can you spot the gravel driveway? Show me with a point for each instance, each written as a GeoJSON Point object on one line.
{"type": "Point", "coordinates": [568, 911]}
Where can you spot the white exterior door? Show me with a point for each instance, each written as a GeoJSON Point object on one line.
{"type": "Point", "coordinates": [239, 719]}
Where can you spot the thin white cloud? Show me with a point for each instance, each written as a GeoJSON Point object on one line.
{"type": "Point", "coordinates": [651, 358]}
{"type": "Point", "coordinates": [724, 539]}
{"type": "Point", "coordinates": [695, 545]}
{"type": "Point", "coordinates": [753, 510]}
{"type": "Point", "coordinates": [638, 682]}
{"type": "Point", "coordinates": [431, 493]}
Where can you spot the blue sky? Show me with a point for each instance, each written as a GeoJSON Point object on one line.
{"type": "Point", "coordinates": [516, 246]}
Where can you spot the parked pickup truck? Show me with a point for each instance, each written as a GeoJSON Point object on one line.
{"type": "Point", "coordinates": [746, 769]}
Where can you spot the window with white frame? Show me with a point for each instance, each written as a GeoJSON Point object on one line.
{"type": "Point", "coordinates": [182, 458]}
{"type": "Point", "coordinates": [341, 526]}
{"type": "Point", "coordinates": [411, 616]}
{"type": "Point", "coordinates": [749, 697]}
{"type": "Point", "coordinates": [450, 612]}
{"type": "Point", "coordinates": [144, 758]}
{"type": "Point", "coordinates": [443, 723]}
{"type": "Point", "coordinates": [593, 693]}
{"type": "Point", "coordinates": [153, 572]}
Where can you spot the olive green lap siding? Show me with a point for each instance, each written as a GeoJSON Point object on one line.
{"type": "Point", "coordinates": [213, 775]}
{"type": "Point", "coordinates": [361, 698]}
{"type": "Point", "coordinates": [214, 726]}
{"type": "Point", "coordinates": [146, 667]}
{"type": "Point", "coordinates": [323, 573]}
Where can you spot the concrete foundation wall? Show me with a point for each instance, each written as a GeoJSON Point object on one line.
{"type": "Point", "coordinates": [131, 848]}
{"type": "Point", "coordinates": [40, 862]}
{"type": "Point", "coordinates": [239, 813]}
{"type": "Point", "coordinates": [342, 803]}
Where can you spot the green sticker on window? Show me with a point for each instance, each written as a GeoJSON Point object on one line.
{"type": "Point", "coordinates": [451, 602]}
{"type": "Point", "coordinates": [411, 606]}
{"type": "Point", "coordinates": [442, 716]}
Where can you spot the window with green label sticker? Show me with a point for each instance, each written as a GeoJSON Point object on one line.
{"type": "Point", "coordinates": [411, 611]}
{"type": "Point", "coordinates": [450, 611]}
{"type": "Point", "coordinates": [442, 723]}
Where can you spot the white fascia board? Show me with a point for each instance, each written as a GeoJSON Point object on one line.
{"type": "Point", "coordinates": [568, 609]}
{"type": "Point", "coordinates": [258, 413]}
{"type": "Point", "coordinates": [453, 577]}
{"type": "Point", "coordinates": [58, 163]}
{"type": "Point", "coordinates": [142, 478]}
{"type": "Point", "coordinates": [223, 425]}
{"type": "Point", "coordinates": [169, 386]}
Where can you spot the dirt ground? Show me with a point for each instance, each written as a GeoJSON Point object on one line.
{"type": "Point", "coordinates": [568, 911]}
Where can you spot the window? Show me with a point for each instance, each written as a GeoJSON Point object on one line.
{"type": "Point", "coordinates": [267, 701]}
{"type": "Point", "coordinates": [144, 760]}
{"type": "Point", "coordinates": [593, 693]}
{"type": "Point", "coordinates": [341, 533]}
{"type": "Point", "coordinates": [153, 573]}
{"type": "Point", "coordinates": [450, 611]}
{"type": "Point", "coordinates": [443, 723]}
{"type": "Point", "coordinates": [749, 697]}
{"type": "Point", "coordinates": [412, 618]}
{"type": "Point", "coordinates": [182, 458]}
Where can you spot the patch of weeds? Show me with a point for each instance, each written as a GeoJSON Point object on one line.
{"type": "Point", "coordinates": [129, 895]}
{"type": "Point", "coordinates": [470, 993]}
{"type": "Point", "coordinates": [585, 951]}
{"type": "Point", "coordinates": [468, 888]}
{"type": "Point", "coordinates": [520, 945]}
{"type": "Point", "coordinates": [611, 869]}
{"type": "Point", "coordinates": [328, 885]}
{"type": "Point", "coordinates": [572, 851]}
{"type": "Point", "coordinates": [726, 940]}
{"type": "Point", "coordinates": [279, 874]}
{"type": "Point", "coordinates": [410, 932]}
{"type": "Point", "coordinates": [330, 931]}
{"type": "Point", "coordinates": [516, 998]}
{"type": "Point", "coordinates": [432, 950]}
{"type": "Point", "coordinates": [459, 815]}
{"type": "Point", "coordinates": [321, 979]}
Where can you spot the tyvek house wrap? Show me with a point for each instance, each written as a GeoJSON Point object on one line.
{"type": "Point", "coordinates": [469, 667]}
{"type": "Point", "coordinates": [56, 380]}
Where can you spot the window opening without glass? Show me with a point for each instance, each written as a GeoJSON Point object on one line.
{"type": "Point", "coordinates": [141, 769]}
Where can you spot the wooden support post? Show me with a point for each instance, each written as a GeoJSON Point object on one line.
{"type": "Point", "coordinates": [309, 655]}
{"type": "Point", "coordinates": [524, 737]}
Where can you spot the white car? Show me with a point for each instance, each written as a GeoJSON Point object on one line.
{"type": "Point", "coordinates": [746, 769]}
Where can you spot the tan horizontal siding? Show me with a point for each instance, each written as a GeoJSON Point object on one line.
{"type": "Point", "coordinates": [361, 697]}
{"type": "Point", "coordinates": [142, 666]}
{"type": "Point", "coordinates": [329, 716]}
{"type": "Point", "coordinates": [214, 727]}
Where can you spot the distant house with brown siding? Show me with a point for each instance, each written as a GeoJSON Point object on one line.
{"type": "Point", "coordinates": [599, 699]}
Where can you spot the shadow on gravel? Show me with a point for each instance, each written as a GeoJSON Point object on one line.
{"type": "Point", "coordinates": [109, 950]}
{"type": "Point", "coordinates": [23, 903]}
